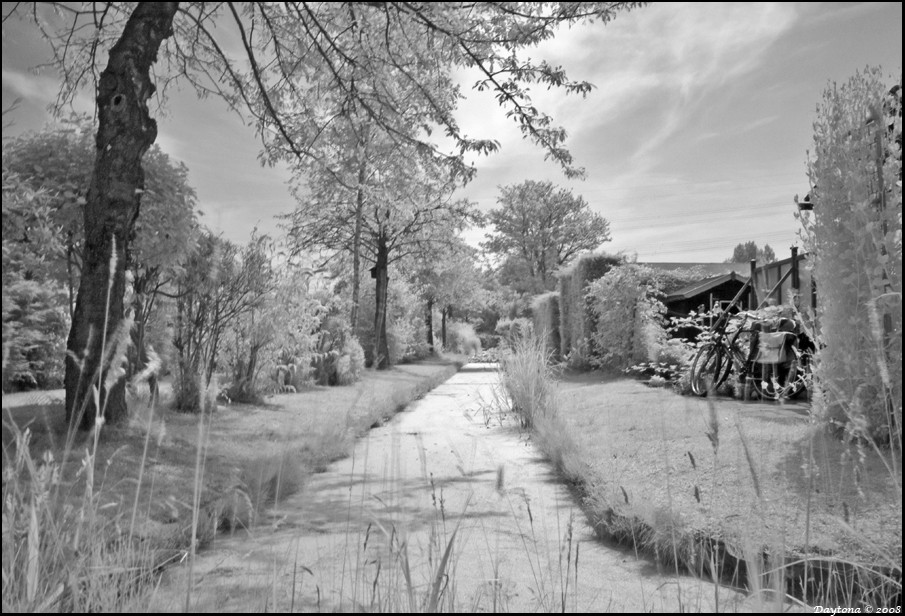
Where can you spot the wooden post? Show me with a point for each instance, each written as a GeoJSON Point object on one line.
{"type": "Point", "coordinates": [796, 281]}
{"type": "Point", "coordinates": [752, 293]}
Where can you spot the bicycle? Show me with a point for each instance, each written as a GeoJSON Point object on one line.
{"type": "Point", "coordinates": [780, 363]}
{"type": "Point", "coordinates": [769, 360]}
{"type": "Point", "coordinates": [725, 350]}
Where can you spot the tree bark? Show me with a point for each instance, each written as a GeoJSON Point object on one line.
{"type": "Point", "coordinates": [70, 277]}
{"type": "Point", "coordinates": [381, 348]}
{"type": "Point", "coordinates": [125, 132]}
{"type": "Point", "coordinates": [443, 314]}
{"type": "Point", "coordinates": [429, 324]}
{"type": "Point", "coordinates": [356, 246]}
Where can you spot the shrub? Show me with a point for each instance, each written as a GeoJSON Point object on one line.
{"type": "Point", "coordinates": [339, 359]}
{"type": "Point", "coordinates": [628, 317]}
{"type": "Point", "coordinates": [351, 363]}
{"type": "Point", "coordinates": [855, 236]}
{"type": "Point", "coordinates": [511, 330]}
{"type": "Point", "coordinates": [463, 339]}
{"type": "Point", "coordinates": [35, 325]}
{"type": "Point", "coordinates": [407, 339]}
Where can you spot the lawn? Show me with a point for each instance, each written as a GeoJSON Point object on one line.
{"type": "Point", "coordinates": [671, 474]}
{"type": "Point", "coordinates": [252, 455]}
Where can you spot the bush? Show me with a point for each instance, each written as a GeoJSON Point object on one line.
{"type": "Point", "coordinates": [855, 237]}
{"type": "Point", "coordinates": [35, 325]}
{"type": "Point", "coordinates": [407, 339]}
{"type": "Point", "coordinates": [351, 363]}
{"type": "Point", "coordinates": [463, 339]}
{"type": "Point", "coordinates": [628, 317]}
{"type": "Point", "coordinates": [339, 357]}
{"type": "Point", "coordinates": [512, 330]}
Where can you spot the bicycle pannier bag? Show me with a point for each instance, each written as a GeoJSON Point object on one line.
{"type": "Point", "coordinates": [772, 348]}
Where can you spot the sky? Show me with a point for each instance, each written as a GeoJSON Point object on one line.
{"type": "Point", "coordinates": [694, 139]}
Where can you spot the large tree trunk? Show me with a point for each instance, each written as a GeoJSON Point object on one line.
{"type": "Point", "coordinates": [443, 315]}
{"type": "Point", "coordinates": [356, 246]}
{"type": "Point", "coordinates": [125, 132]}
{"type": "Point", "coordinates": [381, 348]}
{"type": "Point", "coordinates": [429, 324]}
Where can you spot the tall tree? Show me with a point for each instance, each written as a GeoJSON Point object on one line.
{"type": "Point", "coordinates": [544, 227]}
{"type": "Point", "coordinates": [446, 276]}
{"type": "Point", "coordinates": [60, 160]}
{"type": "Point", "coordinates": [282, 43]}
{"type": "Point", "coordinates": [409, 212]}
{"type": "Point", "coordinates": [749, 251]}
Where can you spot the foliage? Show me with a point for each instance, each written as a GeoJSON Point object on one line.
{"type": "Point", "coordinates": [543, 227]}
{"type": "Point", "coordinates": [375, 58]}
{"type": "Point", "coordinates": [221, 284]}
{"type": "Point", "coordinates": [628, 316]}
{"type": "Point", "coordinates": [278, 335]}
{"type": "Point", "coordinates": [339, 358]}
{"type": "Point", "coordinates": [512, 330]}
{"type": "Point", "coordinates": [515, 275]}
{"type": "Point", "coordinates": [378, 60]}
{"type": "Point", "coordinates": [409, 213]}
{"type": "Point", "coordinates": [406, 334]}
{"type": "Point", "coordinates": [35, 320]}
{"type": "Point", "coordinates": [57, 160]}
{"type": "Point", "coordinates": [60, 160]}
{"type": "Point", "coordinates": [576, 315]}
{"type": "Point", "coordinates": [54, 166]}
{"type": "Point", "coordinates": [446, 275]}
{"type": "Point", "coordinates": [463, 339]}
{"type": "Point", "coordinates": [748, 251]}
{"type": "Point", "coordinates": [351, 363]}
{"type": "Point", "coordinates": [672, 365]}
{"type": "Point", "coordinates": [855, 237]}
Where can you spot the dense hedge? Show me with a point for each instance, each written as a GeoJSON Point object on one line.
{"type": "Point", "coordinates": [629, 316]}
{"type": "Point", "coordinates": [575, 314]}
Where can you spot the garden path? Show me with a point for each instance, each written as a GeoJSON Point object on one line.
{"type": "Point", "coordinates": [371, 532]}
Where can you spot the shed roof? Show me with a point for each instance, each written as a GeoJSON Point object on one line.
{"type": "Point", "coordinates": [708, 268]}
{"type": "Point", "coordinates": [702, 286]}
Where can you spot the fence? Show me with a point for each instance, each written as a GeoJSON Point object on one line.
{"type": "Point", "coordinates": [785, 281]}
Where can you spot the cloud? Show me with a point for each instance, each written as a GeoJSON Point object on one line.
{"type": "Point", "coordinates": [30, 87]}
{"type": "Point", "coordinates": [41, 90]}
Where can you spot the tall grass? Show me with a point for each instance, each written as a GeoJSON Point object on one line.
{"type": "Point", "coordinates": [774, 573]}
{"type": "Point", "coordinates": [526, 375]}
{"type": "Point", "coordinates": [67, 546]}
{"type": "Point", "coordinates": [68, 541]}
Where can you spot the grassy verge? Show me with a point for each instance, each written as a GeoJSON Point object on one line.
{"type": "Point", "coordinates": [750, 493]}
{"type": "Point", "coordinates": [135, 492]}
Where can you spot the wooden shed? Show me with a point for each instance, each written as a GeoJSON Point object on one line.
{"type": "Point", "coordinates": [701, 296]}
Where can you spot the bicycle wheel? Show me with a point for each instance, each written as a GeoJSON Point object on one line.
{"type": "Point", "coordinates": [709, 369]}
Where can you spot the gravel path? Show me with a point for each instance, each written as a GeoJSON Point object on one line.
{"type": "Point", "coordinates": [372, 532]}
